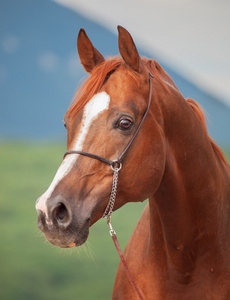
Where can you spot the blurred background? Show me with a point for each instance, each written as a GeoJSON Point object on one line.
{"type": "Point", "coordinates": [39, 74]}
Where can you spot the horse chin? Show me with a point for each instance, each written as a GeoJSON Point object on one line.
{"type": "Point", "coordinates": [70, 238]}
{"type": "Point", "coordinates": [81, 237]}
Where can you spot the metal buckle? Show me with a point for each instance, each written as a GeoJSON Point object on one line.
{"type": "Point", "coordinates": [116, 166]}
{"type": "Point", "coordinates": [111, 231]}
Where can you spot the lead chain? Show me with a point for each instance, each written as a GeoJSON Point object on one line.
{"type": "Point", "coordinates": [109, 208]}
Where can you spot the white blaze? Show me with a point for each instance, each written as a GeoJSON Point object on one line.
{"type": "Point", "coordinates": [92, 110]}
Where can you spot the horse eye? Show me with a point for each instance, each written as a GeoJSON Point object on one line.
{"type": "Point", "coordinates": [65, 125]}
{"type": "Point", "coordinates": [125, 124]}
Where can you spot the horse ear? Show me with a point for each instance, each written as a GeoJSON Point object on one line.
{"type": "Point", "coordinates": [90, 57]}
{"type": "Point", "coordinates": [128, 49]}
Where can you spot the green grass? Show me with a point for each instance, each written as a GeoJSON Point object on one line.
{"type": "Point", "coordinates": [30, 267]}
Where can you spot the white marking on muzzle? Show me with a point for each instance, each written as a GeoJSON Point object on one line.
{"type": "Point", "coordinates": [92, 110]}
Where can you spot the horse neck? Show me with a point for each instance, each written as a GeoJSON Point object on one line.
{"type": "Point", "coordinates": [185, 211]}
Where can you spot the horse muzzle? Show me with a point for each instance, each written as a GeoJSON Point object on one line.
{"type": "Point", "coordinates": [60, 226]}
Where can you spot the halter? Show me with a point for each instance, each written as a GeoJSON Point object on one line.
{"type": "Point", "coordinates": [116, 166]}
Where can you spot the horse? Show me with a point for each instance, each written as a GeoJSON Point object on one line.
{"type": "Point", "coordinates": [130, 119]}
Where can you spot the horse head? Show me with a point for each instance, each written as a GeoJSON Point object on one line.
{"type": "Point", "coordinates": [102, 120]}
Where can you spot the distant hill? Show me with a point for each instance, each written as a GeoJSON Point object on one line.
{"type": "Point", "coordinates": [39, 70]}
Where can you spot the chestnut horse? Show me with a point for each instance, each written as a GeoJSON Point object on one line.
{"type": "Point", "coordinates": [180, 248]}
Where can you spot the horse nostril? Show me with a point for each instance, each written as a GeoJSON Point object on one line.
{"type": "Point", "coordinates": [61, 214]}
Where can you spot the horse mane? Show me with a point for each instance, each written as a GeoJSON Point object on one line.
{"type": "Point", "coordinates": [152, 64]}
{"type": "Point", "coordinates": [197, 109]}
{"type": "Point", "coordinates": [93, 84]}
